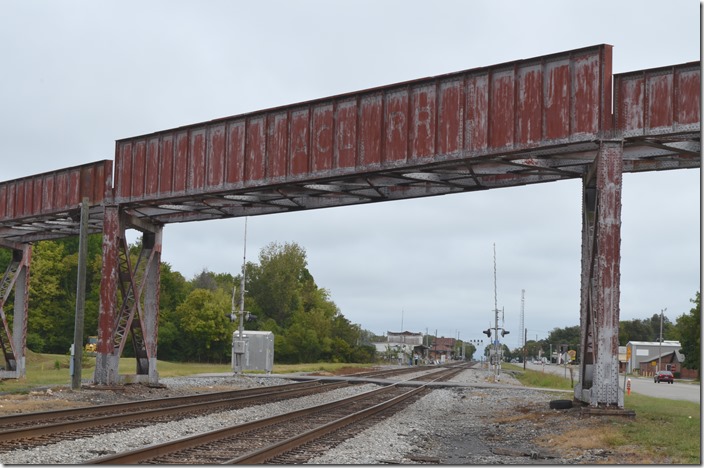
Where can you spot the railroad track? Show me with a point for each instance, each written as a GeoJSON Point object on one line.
{"type": "Point", "coordinates": [26, 431]}
{"type": "Point", "coordinates": [29, 430]}
{"type": "Point", "coordinates": [393, 372]}
{"type": "Point", "coordinates": [289, 438]}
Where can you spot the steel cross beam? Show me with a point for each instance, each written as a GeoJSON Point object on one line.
{"type": "Point", "coordinates": [16, 277]}
{"type": "Point", "coordinates": [134, 314]}
{"type": "Point", "coordinates": [599, 310]}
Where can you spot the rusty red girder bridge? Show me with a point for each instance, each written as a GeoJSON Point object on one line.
{"type": "Point", "coordinates": [543, 119]}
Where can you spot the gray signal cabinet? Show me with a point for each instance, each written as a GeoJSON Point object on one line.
{"type": "Point", "coordinates": [256, 349]}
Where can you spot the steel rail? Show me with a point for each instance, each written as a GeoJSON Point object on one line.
{"type": "Point", "coordinates": [44, 416]}
{"type": "Point", "coordinates": [166, 448]}
{"type": "Point", "coordinates": [145, 414]}
{"type": "Point", "coordinates": [145, 453]}
{"type": "Point", "coordinates": [267, 453]}
{"type": "Point", "coordinates": [392, 372]}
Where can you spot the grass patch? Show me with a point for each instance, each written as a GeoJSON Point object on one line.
{"type": "Point", "coordinates": [53, 370]}
{"type": "Point", "coordinates": [668, 430]}
{"type": "Point", "coordinates": [664, 431]}
{"type": "Point", "coordinates": [539, 379]}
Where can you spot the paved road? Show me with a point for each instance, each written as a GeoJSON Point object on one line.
{"type": "Point", "coordinates": [680, 390]}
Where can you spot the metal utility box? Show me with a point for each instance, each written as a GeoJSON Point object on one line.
{"type": "Point", "coordinates": [256, 348]}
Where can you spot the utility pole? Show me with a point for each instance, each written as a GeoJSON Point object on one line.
{"type": "Point", "coordinates": [240, 346]}
{"type": "Point", "coordinates": [662, 311]}
{"type": "Point", "coordinates": [80, 297]}
{"type": "Point", "coordinates": [243, 281]}
{"type": "Point", "coordinates": [523, 307]}
{"type": "Point", "coordinates": [435, 344]}
{"type": "Point", "coordinates": [496, 325]}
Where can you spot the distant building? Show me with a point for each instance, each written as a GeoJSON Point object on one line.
{"type": "Point", "coordinates": [404, 347]}
{"type": "Point", "coordinates": [644, 353]}
{"type": "Point", "coordinates": [405, 337]}
{"type": "Point", "coordinates": [622, 358]}
{"type": "Point", "coordinates": [442, 349]}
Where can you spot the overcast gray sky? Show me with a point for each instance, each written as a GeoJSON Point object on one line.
{"type": "Point", "coordinates": [77, 75]}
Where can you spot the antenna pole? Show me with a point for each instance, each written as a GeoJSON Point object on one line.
{"type": "Point", "coordinates": [243, 280]}
{"type": "Point", "coordinates": [239, 346]}
{"type": "Point", "coordinates": [496, 325]}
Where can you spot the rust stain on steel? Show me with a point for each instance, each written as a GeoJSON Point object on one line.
{"type": "Point", "coordinates": [607, 272]}
{"type": "Point", "coordinates": [601, 246]}
{"type": "Point", "coordinates": [108, 287]}
{"type": "Point", "coordinates": [52, 193]}
{"type": "Point", "coordinates": [555, 99]}
{"type": "Point", "coordinates": [658, 100]}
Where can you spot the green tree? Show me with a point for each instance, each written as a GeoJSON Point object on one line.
{"type": "Point", "coordinates": [533, 349]}
{"type": "Point", "coordinates": [276, 284]}
{"type": "Point", "coordinates": [206, 329]}
{"type": "Point", "coordinates": [50, 325]}
{"type": "Point", "coordinates": [644, 329]}
{"type": "Point", "coordinates": [570, 336]}
{"type": "Point", "coordinates": [93, 276]}
{"type": "Point", "coordinates": [193, 315]}
{"type": "Point", "coordinates": [688, 329]}
{"type": "Point", "coordinates": [212, 281]}
{"type": "Point", "coordinates": [173, 290]}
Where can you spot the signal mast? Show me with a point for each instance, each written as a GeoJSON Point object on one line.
{"type": "Point", "coordinates": [239, 345]}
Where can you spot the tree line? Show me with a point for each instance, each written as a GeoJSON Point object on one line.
{"type": "Point", "coordinates": [194, 321]}
{"type": "Point", "coordinates": [686, 329]}
{"type": "Point", "coordinates": [282, 297]}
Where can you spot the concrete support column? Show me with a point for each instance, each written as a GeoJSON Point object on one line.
{"type": "Point", "coordinates": [600, 280]}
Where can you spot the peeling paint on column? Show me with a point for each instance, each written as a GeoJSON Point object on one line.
{"type": "Point", "coordinates": [104, 374]}
{"type": "Point", "coordinates": [601, 257]}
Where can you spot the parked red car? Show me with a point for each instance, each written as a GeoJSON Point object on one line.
{"type": "Point", "coordinates": [664, 376]}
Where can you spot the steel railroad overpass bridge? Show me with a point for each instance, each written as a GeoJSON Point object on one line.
{"type": "Point", "coordinates": [543, 119]}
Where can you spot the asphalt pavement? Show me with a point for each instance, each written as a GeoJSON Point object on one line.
{"type": "Point", "coordinates": [688, 390]}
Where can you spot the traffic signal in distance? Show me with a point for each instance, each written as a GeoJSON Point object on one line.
{"type": "Point", "coordinates": [504, 332]}
{"type": "Point", "coordinates": [487, 332]}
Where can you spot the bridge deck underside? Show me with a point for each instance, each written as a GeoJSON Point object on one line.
{"type": "Point", "coordinates": [437, 178]}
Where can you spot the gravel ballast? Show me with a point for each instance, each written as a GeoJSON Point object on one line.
{"type": "Point", "coordinates": [461, 425]}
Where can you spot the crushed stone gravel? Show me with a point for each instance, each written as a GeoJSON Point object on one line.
{"type": "Point", "coordinates": [461, 425]}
